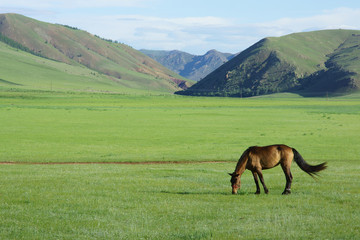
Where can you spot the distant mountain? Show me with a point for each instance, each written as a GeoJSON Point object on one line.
{"type": "Point", "coordinates": [310, 63]}
{"type": "Point", "coordinates": [187, 65]}
{"type": "Point", "coordinates": [117, 63]}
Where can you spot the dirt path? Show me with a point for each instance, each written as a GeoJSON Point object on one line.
{"type": "Point", "coordinates": [120, 163]}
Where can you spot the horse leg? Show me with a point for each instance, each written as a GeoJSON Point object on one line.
{"type": "Point", "coordinates": [256, 182]}
{"type": "Point", "coordinates": [289, 179]}
{"type": "Point", "coordinates": [258, 171]}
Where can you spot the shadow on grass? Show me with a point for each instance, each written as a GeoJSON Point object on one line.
{"type": "Point", "coordinates": [202, 193]}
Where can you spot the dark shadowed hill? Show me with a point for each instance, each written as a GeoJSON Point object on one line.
{"type": "Point", "coordinates": [122, 64]}
{"type": "Point", "coordinates": [190, 66]}
{"type": "Point", "coordinates": [311, 63]}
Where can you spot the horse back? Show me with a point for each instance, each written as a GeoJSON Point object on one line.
{"type": "Point", "coordinates": [269, 156]}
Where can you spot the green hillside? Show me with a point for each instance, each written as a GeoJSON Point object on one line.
{"type": "Point", "coordinates": [310, 63]}
{"type": "Point", "coordinates": [23, 70]}
{"type": "Point", "coordinates": [118, 65]}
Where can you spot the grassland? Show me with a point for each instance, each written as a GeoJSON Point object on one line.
{"type": "Point", "coordinates": [60, 127]}
{"type": "Point", "coordinates": [186, 201]}
{"type": "Point", "coordinates": [173, 201]}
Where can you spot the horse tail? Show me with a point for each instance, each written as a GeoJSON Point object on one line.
{"type": "Point", "coordinates": [309, 169]}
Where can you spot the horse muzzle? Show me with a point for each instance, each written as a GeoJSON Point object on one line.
{"type": "Point", "coordinates": [234, 189]}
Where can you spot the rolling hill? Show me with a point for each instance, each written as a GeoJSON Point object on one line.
{"type": "Point", "coordinates": [76, 54]}
{"type": "Point", "coordinates": [309, 63]}
{"type": "Point", "coordinates": [194, 67]}
{"type": "Point", "coordinates": [25, 71]}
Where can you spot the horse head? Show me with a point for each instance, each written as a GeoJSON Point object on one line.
{"type": "Point", "coordinates": [235, 182]}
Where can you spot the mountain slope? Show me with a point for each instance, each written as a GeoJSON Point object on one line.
{"type": "Point", "coordinates": [23, 70]}
{"type": "Point", "coordinates": [187, 65]}
{"type": "Point", "coordinates": [316, 62]}
{"type": "Point", "coordinates": [121, 63]}
{"type": "Point", "coordinates": [342, 69]}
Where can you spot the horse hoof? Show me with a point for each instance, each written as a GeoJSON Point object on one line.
{"type": "Point", "coordinates": [257, 192]}
{"type": "Point", "coordinates": [286, 192]}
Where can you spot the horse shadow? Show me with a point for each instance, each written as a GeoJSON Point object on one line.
{"type": "Point", "coordinates": [200, 193]}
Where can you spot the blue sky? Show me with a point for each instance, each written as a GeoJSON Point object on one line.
{"type": "Point", "coordinates": [190, 25]}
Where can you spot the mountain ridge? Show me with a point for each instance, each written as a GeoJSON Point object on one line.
{"type": "Point", "coordinates": [190, 66]}
{"type": "Point", "coordinates": [311, 63]}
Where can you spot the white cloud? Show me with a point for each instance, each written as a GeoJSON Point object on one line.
{"type": "Point", "coordinates": [67, 4]}
{"type": "Point", "coordinates": [344, 18]}
{"type": "Point", "coordinates": [158, 33]}
{"type": "Point", "coordinates": [199, 34]}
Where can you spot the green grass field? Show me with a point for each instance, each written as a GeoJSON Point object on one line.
{"type": "Point", "coordinates": [173, 201]}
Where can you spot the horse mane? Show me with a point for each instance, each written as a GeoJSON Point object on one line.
{"type": "Point", "coordinates": [242, 160]}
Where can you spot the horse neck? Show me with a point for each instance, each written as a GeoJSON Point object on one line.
{"type": "Point", "coordinates": [241, 165]}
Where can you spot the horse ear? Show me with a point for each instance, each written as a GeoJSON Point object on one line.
{"type": "Point", "coordinates": [230, 174]}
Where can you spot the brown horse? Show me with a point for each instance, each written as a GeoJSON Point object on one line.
{"type": "Point", "coordinates": [258, 158]}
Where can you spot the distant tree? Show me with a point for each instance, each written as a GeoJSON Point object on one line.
{"type": "Point", "coordinates": [17, 45]}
